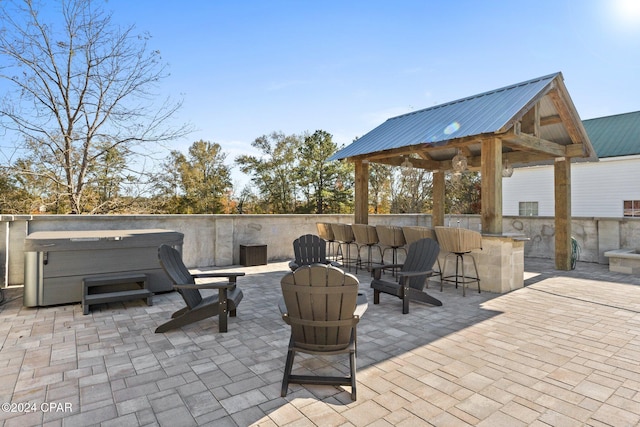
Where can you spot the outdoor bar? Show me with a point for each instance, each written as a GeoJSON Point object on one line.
{"type": "Point", "coordinates": [533, 122]}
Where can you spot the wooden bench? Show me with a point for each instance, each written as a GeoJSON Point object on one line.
{"type": "Point", "coordinates": [112, 280]}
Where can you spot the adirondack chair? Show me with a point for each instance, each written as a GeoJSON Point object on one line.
{"type": "Point", "coordinates": [413, 274]}
{"type": "Point", "coordinates": [413, 233]}
{"type": "Point", "coordinates": [323, 307]}
{"type": "Point", "coordinates": [198, 308]}
{"type": "Point", "coordinates": [310, 249]}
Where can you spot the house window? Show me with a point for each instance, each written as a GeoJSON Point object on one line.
{"type": "Point", "coordinates": [528, 209]}
{"type": "Point", "coordinates": [632, 208]}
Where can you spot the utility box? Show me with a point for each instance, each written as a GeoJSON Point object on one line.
{"type": "Point", "coordinates": [56, 262]}
{"type": "Point", "coordinates": [251, 255]}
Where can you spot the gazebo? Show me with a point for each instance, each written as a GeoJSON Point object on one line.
{"type": "Point", "coordinates": [532, 122]}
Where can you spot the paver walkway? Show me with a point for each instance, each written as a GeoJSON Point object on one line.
{"type": "Point", "coordinates": [563, 351]}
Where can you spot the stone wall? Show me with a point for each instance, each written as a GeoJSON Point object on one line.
{"type": "Point", "coordinates": [214, 240]}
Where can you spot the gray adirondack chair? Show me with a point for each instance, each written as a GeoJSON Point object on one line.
{"type": "Point", "coordinates": [412, 276]}
{"type": "Point", "coordinates": [310, 249]}
{"type": "Point", "coordinates": [323, 307]}
{"type": "Point", "coordinates": [198, 308]}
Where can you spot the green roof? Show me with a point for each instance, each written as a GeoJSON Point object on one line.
{"type": "Point", "coordinates": [614, 136]}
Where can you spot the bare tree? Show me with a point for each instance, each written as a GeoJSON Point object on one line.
{"type": "Point", "coordinates": [81, 88]}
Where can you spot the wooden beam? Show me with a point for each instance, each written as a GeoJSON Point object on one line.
{"type": "Point", "coordinates": [438, 194]}
{"type": "Point", "coordinates": [562, 186]}
{"type": "Point", "coordinates": [475, 163]}
{"type": "Point", "coordinates": [530, 122]}
{"type": "Point", "coordinates": [361, 209]}
{"type": "Point", "coordinates": [395, 152]}
{"type": "Point", "coordinates": [424, 155]}
{"type": "Point", "coordinates": [417, 163]}
{"type": "Point", "coordinates": [567, 112]}
{"type": "Point", "coordinates": [424, 147]}
{"type": "Point", "coordinates": [550, 120]}
{"type": "Point", "coordinates": [491, 186]}
{"type": "Point", "coordinates": [576, 150]}
{"type": "Point", "coordinates": [531, 143]}
{"type": "Point", "coordinates": [526, 157]}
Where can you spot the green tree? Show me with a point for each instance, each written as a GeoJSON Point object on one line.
{"type": "Point", "coordinates": [274, 171]}
{"type": "Point", "coordinates": [80, 87]}
{"type": "Point", "coordinates": [463, 193]}
{"type": "Point", "coordinates": [40, 195]}
{"type": "Point", "coordinates": [167, 186]}
{"type": "Point", "coordinates": [197, 183]}
{"type": "Point", "coordinates": [247, 201]}
{"type": "Point", "coordinates": [106, 181]}
{"type": "Point", "coordinates": [328, 185]}
{"type": "Point", "coordinates": [205, 178]}
{"type": "Point", "coordinates": [13, 199]}
{"type": "Point", "coordinates": [412, 190]}
{"type": "Point", "coordinates": [380, 188]}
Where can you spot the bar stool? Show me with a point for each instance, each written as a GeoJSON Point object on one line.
{"type": "Point", "coordinates": [393, 238]}
{"type": "Point", "coordinates": [414, 233]}
{"type": "Point", "coordinates": [326, 232]}
{"type": "Point", "coordinates": [343, 234]}
{"type": "Point", "coordinates": [459, 242]}
{"type": "Point", "coordinates": [366, 236]}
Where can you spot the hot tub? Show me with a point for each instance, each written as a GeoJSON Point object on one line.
{"type": "Point", "coordinates": [57, 261]}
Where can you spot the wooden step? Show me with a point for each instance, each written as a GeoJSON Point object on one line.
{"type": "Point", "coordinates": [105, 297]}
{"type": "Point", "coordinates": [93, 283]}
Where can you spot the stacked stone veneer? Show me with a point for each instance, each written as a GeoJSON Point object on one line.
{"type": "Point", "coordinates": [500, 264]}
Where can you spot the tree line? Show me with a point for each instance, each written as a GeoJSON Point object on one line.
{"type": "Point", "coordinates": [288, 174]}
{"type": "Point", "coordinates": [82, 131]}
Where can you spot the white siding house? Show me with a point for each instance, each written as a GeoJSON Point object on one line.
{"type": "Point", "coordinates": [598, 189]}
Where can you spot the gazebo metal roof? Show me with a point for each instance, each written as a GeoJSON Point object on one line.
{"type": "Point", "coordinates": [430, 133]}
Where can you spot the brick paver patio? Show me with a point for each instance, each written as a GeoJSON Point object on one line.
{"type": "Point", "coordinates": [563, 351]}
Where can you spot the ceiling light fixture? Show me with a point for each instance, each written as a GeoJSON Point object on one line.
{"type": "Point", "coordinates": [507, 170]}
{"type": "Point", "coordinates": [459, 163]}
{"type": "Point", "coordinates": [406, 166]}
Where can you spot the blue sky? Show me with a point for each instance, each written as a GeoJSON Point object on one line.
{"type": "Point", "coordinates": [247, 68]}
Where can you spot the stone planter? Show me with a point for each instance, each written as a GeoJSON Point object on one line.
{"type": "Point", "coordinates": [624, 261]}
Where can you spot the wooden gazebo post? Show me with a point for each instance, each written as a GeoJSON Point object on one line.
{"type": "Point", "coordinates": [562, 185]}
{"type": "Point", "coordinates": [491, 186]}
{"type": "Point", "coordinates": [437, 214]}
{"type": "Point", "coordinates": [361, 208]}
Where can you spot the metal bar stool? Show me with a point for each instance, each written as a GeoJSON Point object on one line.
{"type": "Point", "coordinates": [366, 236]}
{"type": "Point", "coordinates": [392, 238]}
{"type": "Point", "coordinates": [343, 234]}
{"type": "Point", "coordinates": [459, 242]}
{"type": "Point", "coordinates": [326, 232]}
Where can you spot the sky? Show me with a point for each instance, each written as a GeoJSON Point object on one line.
{"type": "Point", "coordinates": [247, 68]}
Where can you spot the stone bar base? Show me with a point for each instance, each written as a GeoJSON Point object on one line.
{"type": "Point", "coordinates": [500, 263]}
